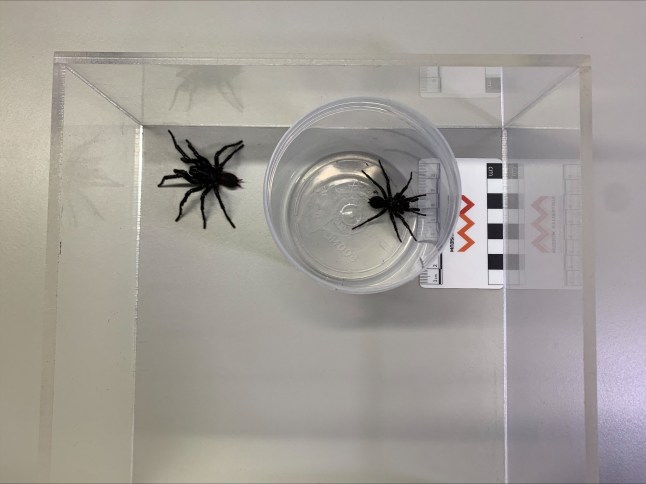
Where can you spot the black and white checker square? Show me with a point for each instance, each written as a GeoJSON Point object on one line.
{"type": "Point", "coordinates": [495, 232]}
{"type": "Point", "coordinates": [503, 236]}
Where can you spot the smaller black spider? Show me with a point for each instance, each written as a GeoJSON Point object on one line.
{"type": "Point", "coordinates": [205, 176]}
{"type": "Point", "coordinates": [395, 205]}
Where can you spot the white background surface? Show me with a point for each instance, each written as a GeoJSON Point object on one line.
{"type": "Point", "coordinates": [613, 33]}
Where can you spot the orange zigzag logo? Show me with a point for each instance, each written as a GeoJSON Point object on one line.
{"type": "Point", "coordinates": [538, 224]}
{"type": "Point", "coordinates": [467, 225]}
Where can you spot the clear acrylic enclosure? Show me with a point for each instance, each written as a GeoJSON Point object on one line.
{"type": "Point", "coordinates": [174, 353]}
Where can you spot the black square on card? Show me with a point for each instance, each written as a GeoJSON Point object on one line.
{"type": "Point", "coordinates": [512, 262]}
{"type": "Point", "coordinates": [494, 170]}
{"type": "Point", "coordinates": [494, 200]}
{"type": "Point", "coordinates": [494, 231]}
{"type": "Point", "coordinates": [513, 231]}
{"type": "Point", "coordinates": [513, 200]}
{"type": "Point", "coordinates": [495, 262]}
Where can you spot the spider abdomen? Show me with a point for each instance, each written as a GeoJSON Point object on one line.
{"type": "Point", "coordinates": [229, 180]}
{"type": "Point", "coordinates": [377, 202]}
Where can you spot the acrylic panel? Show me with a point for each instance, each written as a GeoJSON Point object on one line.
{"type": "Point", "coordinates": [188, 354]}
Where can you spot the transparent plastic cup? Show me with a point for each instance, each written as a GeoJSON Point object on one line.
{"type": "Point", "coordinates": [316, 192]}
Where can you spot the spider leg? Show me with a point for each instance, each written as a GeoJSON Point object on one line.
{"type": "Point", "coordinates": [217, 194]}
{"type": "Point", "coordinates": [191, 91]}
{"type": "Point", "coordinates": [415, 198]}
{"type": "Point", "coordinates": [204, 193]}
{"type": "Point", "coordinates": [401, 192]}
{"type": "Point", "coordinates": [186, 176]}
{"type": "Point", "coordinates": [390, 194]}
{"type": "Point", "coordinates": [216, 158]}
{"type": "Point", "coordinates": [392, 219]}
{"type": "Point", "coordinates": [179, 174]}
{"type": "Point", "coordinates": [406, 225]}
{"type": "Point", "coordinates": [383, 192]}
{"type": "Point", "coordinates": [178, 147]}
{"type": "Point", "coordinates": [168, 177]}
{"type": "Point", "coordinates": [177, 89]}
{"type": "Point", "coordinates": [90, 205]}
{"type": "Point", "coordinates": [231, 154]}
{"type": "Point", "coordinates": [192, 148]}
{"type": "Point", "coordinates": [186, 195]}
{"type": "Point", "coordinates": [416, 211]}
{"type": "Point", "coordinates": [371, 218]}
{"type": "Point", "coordinates": [199, 160]}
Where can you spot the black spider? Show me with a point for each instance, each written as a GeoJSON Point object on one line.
{"type": "Point", "coordinates": [205, 176]}
{"type": "Point", "coordinates": [395, 205]}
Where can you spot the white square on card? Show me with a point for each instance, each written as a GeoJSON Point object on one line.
{"type": "Point", "coordinates": [512, 186]}
{"type": "Point", "coordinates": [495, 246]}
{"type": "Point", "coordinates": [513, 216]}
{"type": "Point", "coordinates": [494, 185]}
{"type": "Point", "coordinates": [513, 278]}
{"type": "Point", "coordinates": [496, 277]}
{"type": "Point", "coordinates": [494, 215]}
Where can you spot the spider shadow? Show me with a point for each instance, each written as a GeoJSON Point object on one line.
{"type": "Point", "coordinates": [195, 79]}
{"type": "Point", "coordinates": [82, 173]}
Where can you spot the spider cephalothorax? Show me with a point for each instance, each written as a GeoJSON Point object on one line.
{"type": "Point", "coordinates": [396, 205]}
{"type": "Point", "coordinates": [205, 176]}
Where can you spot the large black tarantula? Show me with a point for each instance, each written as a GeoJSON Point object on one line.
{"type": "Point", "coordinates": [205, 176]}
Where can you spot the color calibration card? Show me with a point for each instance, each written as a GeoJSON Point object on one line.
{"type": "Point", "coordinates": [536, 246]}
{"type": "Point", "coordinates": [474, 256]}
{"type": "Point", "coordinates": [550, 213]}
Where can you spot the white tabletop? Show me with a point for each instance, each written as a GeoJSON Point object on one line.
{"type": "Point", "coordinates": [612, 33]}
